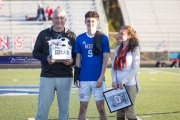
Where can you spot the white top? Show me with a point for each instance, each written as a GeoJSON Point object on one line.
{"type": "Point", "coordinates": [122, 74]}
{"type": "Point", "coordinates": [128, 75]}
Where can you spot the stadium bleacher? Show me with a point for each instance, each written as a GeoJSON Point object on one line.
{"type": "Point", "coordinates": [13, 15]}
{"type": "Point", "coordinates": [157, 23]}
{"type": "Point", "coordinates": [13, 18]}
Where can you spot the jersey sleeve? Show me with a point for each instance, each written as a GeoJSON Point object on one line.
{"type": "Point", "coordinates": [77, 48]}
{"type": "Point", "coordinates": [105, 43]}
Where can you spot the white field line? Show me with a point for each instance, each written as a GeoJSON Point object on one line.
{"type": "Point", "coordinates": [162, 71]}
{"type": "Point", "coordinates": [31, 118]}
{"type": "Point", "coordinates": [34, 119]}
{"type": "Point", "coordinates": [138, 118]}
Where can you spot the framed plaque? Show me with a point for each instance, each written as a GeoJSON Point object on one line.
{"type": "Point", "coordinates": [117, 99]}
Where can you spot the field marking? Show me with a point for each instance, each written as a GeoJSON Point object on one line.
{"type": "Point", "coordinates": [153, 72]}
{"type": "Point", "coordinates": [26, 90]}
{"type": "Point", "coordinates": [146, 116]}
{"type": "Point", "coordinates": [162, 71]}
{"type": "Point", "coordinates": [152, 79]}
{"type": "Point", "coordinates": [34, 119]}
{"type": "Point", "coordinates": [31, 118]}
{"type": "Point", "coordinates": [15, 80]}
{"type": "Point", "coordinates": [138, 118]}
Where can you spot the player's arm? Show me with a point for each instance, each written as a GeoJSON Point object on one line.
{"type": "Point", "coordinates": [104, 66]}
{"type": "Point", "coordinates": [77, 70]}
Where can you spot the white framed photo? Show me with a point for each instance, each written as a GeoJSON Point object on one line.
{"type": "Point", "coordinates": [117, 99]}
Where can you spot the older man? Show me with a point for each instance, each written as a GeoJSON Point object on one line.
{"type": "Point", "coordinates": [55, 75]}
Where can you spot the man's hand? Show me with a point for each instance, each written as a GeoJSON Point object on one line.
{"type": "Point", "coordinates": [114, 85]}
{"type": "Point", "coordinates": [67, 61]}
{"type": "Point", "coordinates": [77, 84]}
{"type": "Point", "coordinates": [50, 61]}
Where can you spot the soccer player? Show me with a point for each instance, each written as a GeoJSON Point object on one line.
{"type": "Point", "coordinates": [92, 52]}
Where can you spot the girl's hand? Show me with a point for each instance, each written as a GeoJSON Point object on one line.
{"type": "Point", "coordinates": [121, 86]}
{"type": "Point", "coordinates": [114, 85]}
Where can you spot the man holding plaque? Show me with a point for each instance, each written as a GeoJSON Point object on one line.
{"type": "Point", "coordinates": [92, 51]}
{"type": "Point", "coordinates": [54, 48]}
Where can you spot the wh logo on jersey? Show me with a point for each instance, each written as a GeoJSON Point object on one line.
{"type": "Point", "coordinates": [88, 46]}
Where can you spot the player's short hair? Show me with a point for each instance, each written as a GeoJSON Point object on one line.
{"type": "Point", "coordinates": [92, 14]}
{"type": "Point", "coordinates": [58, 10]}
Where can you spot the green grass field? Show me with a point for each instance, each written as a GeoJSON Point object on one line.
{"type": "Point", "coordinates": [159, 97]}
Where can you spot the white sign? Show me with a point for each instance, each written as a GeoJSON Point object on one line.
{"type": "Point", "coordinates": [60, 53]}
{"type": "Point", "coordinates": [60, 48]}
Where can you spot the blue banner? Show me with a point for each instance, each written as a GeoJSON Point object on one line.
{"type": "Point", "coordinates": [174, 55]}
{"type": "Point", "coordinates": [18, 60]}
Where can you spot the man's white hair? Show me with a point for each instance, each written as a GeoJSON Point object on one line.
{"type": "Point", "coordinates": [58, 10]}
{"type": "Point", "coordinates": [40, 5]}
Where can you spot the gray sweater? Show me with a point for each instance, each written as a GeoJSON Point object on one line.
{"type": "Point", "coordinates": [135, 67]}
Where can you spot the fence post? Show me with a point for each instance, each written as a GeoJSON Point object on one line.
{"type": "Point", "coordinates": [168, 47]}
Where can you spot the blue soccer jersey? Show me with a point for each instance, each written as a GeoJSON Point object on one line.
{"type": "Point", "coordinates": [91, 65]}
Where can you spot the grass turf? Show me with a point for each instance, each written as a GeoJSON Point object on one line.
{"type": "Point", "coordinates": [158, 99]}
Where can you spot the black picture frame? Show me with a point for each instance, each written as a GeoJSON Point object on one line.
{"type": "Point", "coordinates": [117, 99]}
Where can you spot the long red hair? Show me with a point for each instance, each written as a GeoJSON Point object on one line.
{"type": "Point", "coordinates": [133, 41]}
{"type": "Point", "coordinates": [120, 61]}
